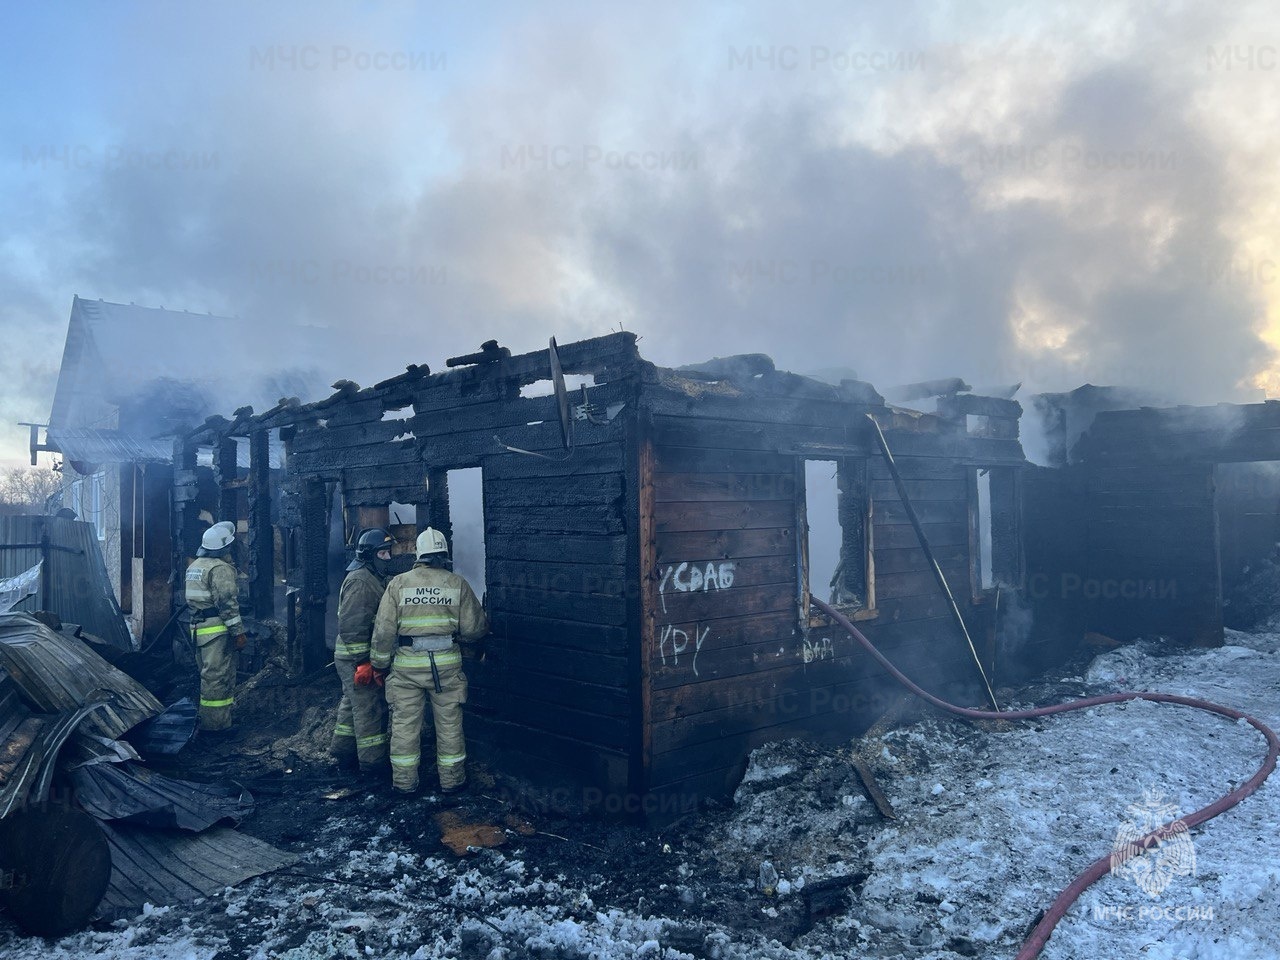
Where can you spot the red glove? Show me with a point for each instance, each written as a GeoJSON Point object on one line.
{"type": "Point", "coordinates": [364, 674]}
{"type": "Point", "coordinates": [379, 677]}
{"type": "Point", "coordinates": [242, 641]}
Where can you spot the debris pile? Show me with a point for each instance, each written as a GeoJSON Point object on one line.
{"type": "Point", "coordinates": [88, 828]}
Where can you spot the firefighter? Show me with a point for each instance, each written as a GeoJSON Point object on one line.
{"type": "Point", "coordinates": [420, 619]}
{"type": "Point", "coordinates": [214, 599]}
{"type": "Point", "coordinates": [360, 734]}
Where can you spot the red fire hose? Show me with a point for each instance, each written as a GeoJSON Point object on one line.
{"type": "Point", "coordinates": [1040, 935]}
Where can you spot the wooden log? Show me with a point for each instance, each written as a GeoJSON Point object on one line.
{"type": "Point", "coordinates": [673, 547]}
{"type": "Point", "coordinates": [702, 460]}
{"type": "Point", "coordinates": [751, 515]}
{"type": "Point", "coordinates": [734, 487]}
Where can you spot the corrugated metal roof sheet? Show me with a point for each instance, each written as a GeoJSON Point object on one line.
{"type": "Point", "coordinates": [86, 445]}
{"type": "Point", "coordinates": [132, 793]}
{"type": "Point", "coordinates": [29, 745]}
{"type": "Point", "coordinates": [76, 586]}
{"type": "Point", "coordinates": [59, 673]}
{"type": "Point", "coordinates": [160, 867]}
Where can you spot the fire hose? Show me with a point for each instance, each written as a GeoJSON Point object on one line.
{"type": "Point", "coordinates": [1039, 936]}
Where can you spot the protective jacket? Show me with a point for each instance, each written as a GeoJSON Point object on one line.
{"type": "Point", "coordinates": [429, 605]}
{"type": "Point", "coordinates": [357, 606]}
{"type": "Point", "coordinates": [214, 598]}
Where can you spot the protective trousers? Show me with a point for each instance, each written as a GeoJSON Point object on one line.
{"type": "Point", "coordinates": [217, 680]}
{"type": "Point", "coordinates": [407, 690]}
{"type": "Point", "coordinates": [361, 729]}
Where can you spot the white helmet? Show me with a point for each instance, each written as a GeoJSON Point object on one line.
{"type": "Point", "coordinates": [218, 537]}
{"type": "Point", "coordinates": [430, 542]}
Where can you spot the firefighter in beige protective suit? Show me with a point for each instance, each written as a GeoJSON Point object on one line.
{"type": "Point", "coordinates": [360, 733]}
{"type": "Point", "coordinates": [214, 599]}
{"type": "Point", "coordinates": [423, 614]}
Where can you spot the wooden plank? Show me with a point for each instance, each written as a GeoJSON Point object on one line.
{"type": "Point", "coordinates": [929, 511]}
{"type": "Point", "coordinates": [872, 787]}
{"type": "Point", "coordinates": [752, 408]}
{"type": "Point", "coordinates": [588, 519]}
{"type": "Point", "coordinates": [912, 559]}
{"type": "Point", "coordinates": [670, 459]}
{"type": "Point", "coordinates": [754, 515]}
{"type": "Point", "coordinates": [501, 414]}
{"type": "Point", "coordinates": [762, 436]}
{"type": "Point", "coordinates": [721, 660]}
{"type": "Point", "coordinates": [556, 692]}
{"type": "Point", "coordinates": [553, 491]}
{"type": "Point", "coordinates": [346, 437]}
{"type": "Point", "coordinates": [917, 468]}
{"type": "Point", "coordinates": [551, 631]}
{"type": "Point", "coordinates": [539, 547]}
{"type": "Point", "coordinates": [607, 580]}
{"type": "Point", "coordinates": [900, 535]}
{"type": "Point", "coordinates": [582, 461]}
{"type": "Point", "coordinates": [676, 487]}
{"type": "Point", "coordinates": [585, 608]}
{"type": "Point", "coordinates": [919, 490]}
{"type": "Point", "coordinates": [792, 677]}
{"type": "Point", "coordinates": [683, 610]}
{"type": "Point", "coordinates": [726, 544]}
{"type": "Point", "coordinates": [962, 404]}
{"type": "Point", "coordinates": [703, 576]}
{"type": "Point", "coordinates": [520, 655]}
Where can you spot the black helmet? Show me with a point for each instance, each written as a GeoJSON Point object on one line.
{"type": "Point", "coordinates": [370, 544]}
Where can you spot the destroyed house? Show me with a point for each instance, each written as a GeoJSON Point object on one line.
{"type": "Point", "coordinates": [651, 539]}
{"type": "Point", "coordinates": [1172, 510]}
{"type": "Point", "coordinates": [131, 379]}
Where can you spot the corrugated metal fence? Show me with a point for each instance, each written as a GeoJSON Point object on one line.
{"type": "Point", "coordinates": [73, 582]}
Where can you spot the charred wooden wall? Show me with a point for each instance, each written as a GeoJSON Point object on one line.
{"type": "Point", "coordinates": [1055, 524]}
{"type": "Point", "coordinates": [728, 662]}
{"type": "Point", "coordinates": [1153, 552]}
{"type": "Point", "coordinates": [553, 697]}
{"type": "Point", "coordinates": [1154, 532]}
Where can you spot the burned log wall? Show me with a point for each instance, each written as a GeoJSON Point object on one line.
{"type": "Point", "coordinates": [1055, 523]}
{"type": "Point", "coordinates": [730, 662]}
{"type": "Point", "coordinates": [1153, 552]}
{"type": "Point", "coordinates": [552, 698]}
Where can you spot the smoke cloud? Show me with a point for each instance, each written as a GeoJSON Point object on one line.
{"type": "Point", "coordinates": [914, 190]}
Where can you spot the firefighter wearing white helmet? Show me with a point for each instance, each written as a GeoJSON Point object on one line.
{"type": "Point", "coordinates": [422, 616]}
{"type": "Point", "coordinates": [214, 600]}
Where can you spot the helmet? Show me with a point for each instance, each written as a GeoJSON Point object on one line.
{"type": "Point", "coordinates": [218, 537]}
{"type": "Point", "coordinates": [371, 543]}
{"type": "Point", "coordinates": [431, 542]}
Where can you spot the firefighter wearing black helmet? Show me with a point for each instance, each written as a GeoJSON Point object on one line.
{"type": "Point", "coordinates": [360, 733]}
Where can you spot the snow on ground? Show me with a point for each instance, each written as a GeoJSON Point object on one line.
{"type": "Point", "coordinates": [992, 821]}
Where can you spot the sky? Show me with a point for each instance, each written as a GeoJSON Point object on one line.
{"type": "Point", "coordinates": [1051, 194]}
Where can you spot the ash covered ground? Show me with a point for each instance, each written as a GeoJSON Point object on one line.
{"type": "Point", "coordinates": [992, 821]}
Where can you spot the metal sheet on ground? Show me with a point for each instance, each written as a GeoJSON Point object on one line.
{"type": "Point", "coordinates": [161, 868]}
{"type": "Point", "coordinates": [130, 792]}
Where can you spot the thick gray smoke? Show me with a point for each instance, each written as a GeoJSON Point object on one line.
{"type": "Point", "coordinates": [1051, 197]}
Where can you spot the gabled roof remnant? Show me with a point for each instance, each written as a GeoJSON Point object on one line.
{"type": "Point", "coordinates": [89, 446]}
